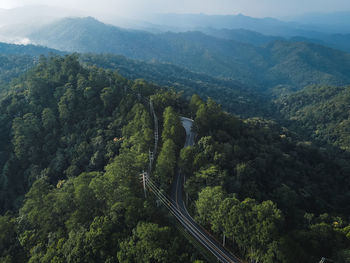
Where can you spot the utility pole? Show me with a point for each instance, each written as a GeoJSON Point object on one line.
{"type": "Point", "coordinates": [223, 240]}
{"type": "Point", "coordinates": [144, 177]}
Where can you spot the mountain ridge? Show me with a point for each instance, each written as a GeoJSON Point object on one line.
{"type": "Point", "coordinates": [202, 53]}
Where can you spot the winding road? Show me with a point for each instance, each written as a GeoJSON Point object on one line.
{"type": "Point", "coordinates": [184, 217]}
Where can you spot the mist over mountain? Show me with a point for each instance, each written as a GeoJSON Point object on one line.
{"type": "Point", "coordinates": [34, 15]}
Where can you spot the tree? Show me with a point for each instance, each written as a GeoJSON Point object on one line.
{"type": "Point", "coordinates": [172, 128]}
{"type": "Point", "coordinates": [48, 119]}
{"type": "Point", "coordinates": [208, 203]}
{"type": "Point", "coordinates": [26, 137]}
{"type": "Point", "coordinates": [148, 243]}
{"type": "Point", "coordinates": [10, 249]}
{"type": "Point", "coordinates": [166, 162]}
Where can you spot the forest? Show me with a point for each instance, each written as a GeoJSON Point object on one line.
{"type": "Point", "coordinates": [320, 113]}
{"type": "Point", "coordinates": [75, 137]}
{"type": "Point", "coordinates": [97, 160]}
{"type": "Point", "coordinates": [253, 176]}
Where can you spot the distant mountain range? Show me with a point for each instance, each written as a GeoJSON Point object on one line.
{"type": "Point", "coordinates": [268, 26]}
{"type": "Point", "coordinates": [279, 62]}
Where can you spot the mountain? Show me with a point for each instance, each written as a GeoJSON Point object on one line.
{"type": "Point", "coordinates": [90, 35]}
{"type": "Point", "coordinates": [288, 63]}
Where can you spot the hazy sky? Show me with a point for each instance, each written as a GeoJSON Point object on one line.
{"type": "Point", "coordinates": [132, 8]}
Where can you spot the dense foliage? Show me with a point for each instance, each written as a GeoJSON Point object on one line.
{"type": "Point", "coordinates": [321, 113]}
{"type": "Point", "coordinates": [17, 59]}
{"type": "Point", "coordinates": [11, 66]}
{"type": "Point", "coordinates": [73, 140]}
{"type": "Point", "coordinates": [76, 139]}
{"type": "Point", "coordinates": [237, 98]}
{"type": "Point", "coordinates": [249, 177]}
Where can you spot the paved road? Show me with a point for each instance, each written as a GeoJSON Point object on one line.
{"type": "Point", "coordinates": [186, 220]}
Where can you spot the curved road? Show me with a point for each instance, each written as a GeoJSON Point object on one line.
{"type": "Point", "coordinates": [186, 220]}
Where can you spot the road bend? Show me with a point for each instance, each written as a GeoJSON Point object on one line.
{"type": "Point", "coordinates": [178, 207]}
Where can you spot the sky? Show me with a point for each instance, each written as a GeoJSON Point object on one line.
{"type": "Point", "coordinates": [134, 8]}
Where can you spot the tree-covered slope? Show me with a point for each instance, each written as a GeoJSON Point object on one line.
{"type": "Point", "coordinates": [276, 199]}
{"type": "Point", "coordinates": [306, 64]}
{"type": "Point", "coordinates": [321, 113]}
{"type": "Point", "coordinates": [58, 121]}
{"type": "Point", "coordinates": [73, 141]}
{"type": "Point", "coordinates": [12, 66]}
{"type": "Point", "coordinates": [279, 63]}
{"type": "Point", "coordinates": [235, 97]}
{"type": "Point", "coordinates": [17, 59]}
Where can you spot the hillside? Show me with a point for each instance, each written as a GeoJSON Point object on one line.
{"type": "Point", "coordinates": [241, 35]}
{"type": "Point", "coordinates": [286, 63]}
{"type": "Point", "coordinates": [12, 66]}
{"type": "Point", "coordinates": [235, 97]}
{"type": "Point", "coordinates": [17, 59]}
{"type": "Point", "coordinates": [73, 141]}
{"type": "Point", "coordinates": [321, 113]}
